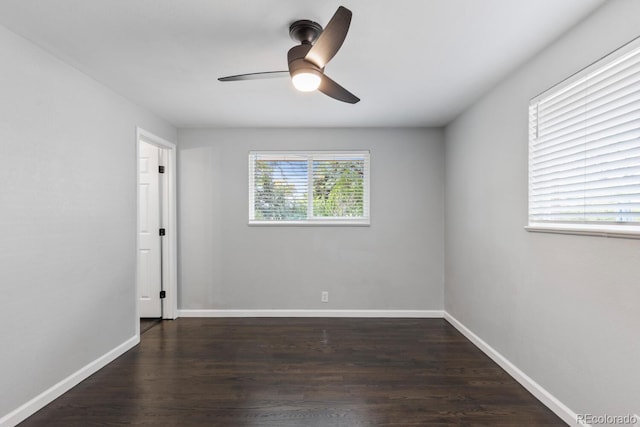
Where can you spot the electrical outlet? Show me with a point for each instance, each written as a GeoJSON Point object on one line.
{"type": "Point", "coordinates": [325, 296]}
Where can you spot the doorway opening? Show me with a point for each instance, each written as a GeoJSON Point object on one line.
{"type": "Point", "coordinates": [156, 231]}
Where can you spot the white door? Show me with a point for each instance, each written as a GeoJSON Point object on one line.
{"type": "Point", "coordinates": [149, 223]}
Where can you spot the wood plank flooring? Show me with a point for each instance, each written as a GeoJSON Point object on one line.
{"type": "Point", "coordinates": [147, 323]}
{"type": "Point", "coordinates": [281, 372]}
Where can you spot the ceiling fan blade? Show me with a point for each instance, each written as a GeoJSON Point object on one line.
{"type": "Point", "coordinates": [255, 76]}
{"type": "Point", "coordinates": [331, 39]}
{"type": "Point", "coordinates": [334, 90]}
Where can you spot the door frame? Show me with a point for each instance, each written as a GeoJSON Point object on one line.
{"type": "Point", "coordinates": [170, 240]}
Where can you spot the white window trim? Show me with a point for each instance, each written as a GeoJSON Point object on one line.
{"type": "Point", "coordinates": [585, 229]}
{"type": "Point", "coordinates": [313, 221]}
{"type": "Point", "coordinates": [620, 231]}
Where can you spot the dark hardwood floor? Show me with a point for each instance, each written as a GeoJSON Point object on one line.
{"type": "Point", "coordinates": [147, 323]}
{"type": "Point", "coordinates": [299, 372]}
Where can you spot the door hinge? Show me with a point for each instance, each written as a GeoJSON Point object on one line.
{"type": "Point", "coordinates": [163, 294]}
{"type": "Point", "coordinates": [162, 231]}
{"type": "Point", "coordinates": [160, 169]}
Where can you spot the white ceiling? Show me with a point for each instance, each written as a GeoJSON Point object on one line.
{"type": "Point", "coordinates": [412, 62]}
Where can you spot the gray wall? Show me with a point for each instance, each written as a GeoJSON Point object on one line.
{"type": "Point", "coordinates": [564, 309]}
{"type": "Point", "coordinates": [396, 263]}
{"type": "Point", "coordinates": [67, 219]}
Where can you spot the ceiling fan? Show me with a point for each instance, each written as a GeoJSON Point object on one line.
{"type": "Point", "coordinates": [307, 60]}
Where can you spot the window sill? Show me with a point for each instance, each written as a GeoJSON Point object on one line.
{"type": "Point", "coordinates": [618, 231]}
{"type": "Point", "coordinates": [319, 223]}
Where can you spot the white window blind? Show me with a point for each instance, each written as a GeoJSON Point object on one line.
{"type": "Point", "coordinates": [584, 147]}
{"type": "Point", "coordinates": [305, 188]}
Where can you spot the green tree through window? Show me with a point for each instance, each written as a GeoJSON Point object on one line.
{"type": "Point", "coordinates": [337, 188]}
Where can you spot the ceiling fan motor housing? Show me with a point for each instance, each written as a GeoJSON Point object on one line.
{"type": "Point", "coordinates": [298, 64]}
{"type": "Point", "coordinates": [306, 32]}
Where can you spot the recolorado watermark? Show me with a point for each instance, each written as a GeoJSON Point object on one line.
{"type": "Point", "coordinates": [592, 419]}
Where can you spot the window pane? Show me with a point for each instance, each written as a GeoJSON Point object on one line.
{"type": "Point", "coordinates": [338, 189]}
{"type": "Point", "coordinates": [280, 190]}
{"type": "Point", "coordinates": [584, 147]}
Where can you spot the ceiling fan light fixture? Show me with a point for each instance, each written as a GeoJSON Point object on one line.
{"type": "Point", "coordinates": [307, 60]}
{"type": "Point", "coordinates": [306, 81]}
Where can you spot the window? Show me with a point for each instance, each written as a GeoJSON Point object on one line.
{"type": "Point", "coordinates": [584, 150]}
{"type": "Point", "coordinates": [305, 188]}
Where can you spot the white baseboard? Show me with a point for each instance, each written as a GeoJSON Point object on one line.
{"type": "Point", "coordinates": [43, 399]}
{"type": "Point", "coordinates": [313, 313]}
{"type": "Point", "coordinates": [550, 401]}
